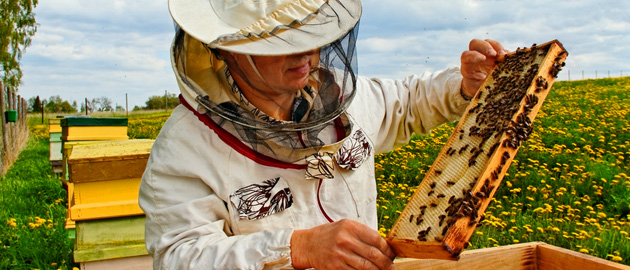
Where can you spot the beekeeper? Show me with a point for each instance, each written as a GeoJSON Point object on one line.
{"type": "Point", "coordinates": [269, 160]}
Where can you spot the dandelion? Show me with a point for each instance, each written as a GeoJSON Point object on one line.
{"type": "Point", "coordinates": [615, 258]}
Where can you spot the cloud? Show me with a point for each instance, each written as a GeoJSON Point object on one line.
{"type": "Point", "coordinates": [441, 30]}
{"type": "Point", "coordinates": [86, 49]}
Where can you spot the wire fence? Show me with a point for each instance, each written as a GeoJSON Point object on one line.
{"type": "Point", "coordinates": [574, 75]}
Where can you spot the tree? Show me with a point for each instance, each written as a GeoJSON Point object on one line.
{"type": "Point", "coordinates": [57, 105]}
{"type": "Point", "coordinates": [34, 104]}
{"type": "Point", "coordinates": [17, 26]}
{"type": "Point", "coordinates": [101, 104]}
{"type": "Point", "coordinates": [157, 103]}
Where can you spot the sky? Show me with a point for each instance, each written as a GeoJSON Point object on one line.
{"type": "Point", "coordinates": [120, 49]}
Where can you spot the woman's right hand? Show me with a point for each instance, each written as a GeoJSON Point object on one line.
{"type": "Point", "coordinates": [345, 244]}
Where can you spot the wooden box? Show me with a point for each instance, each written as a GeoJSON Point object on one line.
{"type": "Point", "coordinates": [55, 147]}
{"type": "Point", "coordinates": [107, 160]}
{"type": "Point", "coordinates": [105, 199]}
{"type": "Point", "coordinates": [106, 177]}
{"type": "Point", "coordinates": [111, 238]}
{"type": "Point", "coordinates": [533, 256]}
{"type": "Point", "coordinates": [66, 149]}
{"type": "Point", "coordinates": [129, 263]}
{"type": "Point", "coordinates": [54, 125]}
{"type": "Point", "coordinates": [93, 129]}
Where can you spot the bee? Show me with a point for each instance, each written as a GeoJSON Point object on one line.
{"type": "Point", "coordinates": [444, 230]}
{"type": "Point", "coordinates": [419, 220]}
{"type": "Point", "coordinates": [441, 217]}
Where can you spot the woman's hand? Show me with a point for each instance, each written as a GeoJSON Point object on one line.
{"type": "Point", "coordinates": [477, 62]}
{"type": "Point", "coordinates": [345, 244]}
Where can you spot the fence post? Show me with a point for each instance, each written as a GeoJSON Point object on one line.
{"type": "Point", "coordinates": [5, 135]}
{"type": "Point", "coordinates": [12, 131]}
{"type": "Point", "coordinates": [25, 116]}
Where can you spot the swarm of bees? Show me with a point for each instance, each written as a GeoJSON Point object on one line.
{"type": "Point", "coordinates": [449, 203]}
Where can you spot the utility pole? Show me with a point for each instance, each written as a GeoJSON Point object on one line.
{"type": "Point", "coordinates": [86, 107]}
{"type": "Point", "coordinates": [165, 101]}
{"type": "Point", "coordinates": [127, 105]}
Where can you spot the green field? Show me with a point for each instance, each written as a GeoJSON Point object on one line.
{"type": "Point", "coordinates": [569, 184]}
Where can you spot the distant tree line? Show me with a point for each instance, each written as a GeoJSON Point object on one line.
{"type": "Point", "coordinates": [168, 101]}
{"type": "Point", "coordinates": [55, 104]}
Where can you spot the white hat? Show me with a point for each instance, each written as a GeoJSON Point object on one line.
{"type": "Point", "coordinates": [266, 27]}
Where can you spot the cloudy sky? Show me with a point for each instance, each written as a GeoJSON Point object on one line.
{"type": "Point", "coordinates": [113, 48]}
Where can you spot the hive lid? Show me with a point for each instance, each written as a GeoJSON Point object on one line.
{"type": "Point", "coordinates": [86, 121]}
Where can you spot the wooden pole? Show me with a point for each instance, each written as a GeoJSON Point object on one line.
{"type": "Point", "coordinates": [5, 134]}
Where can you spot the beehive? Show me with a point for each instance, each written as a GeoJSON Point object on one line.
{"type": "Point", "coordinates": [144, 262]}
{"type": "Point", "coordinates": [448, 204]}
{"type": "Point", "coordinates": [54, 125]}
{"type": "Point", "coordinates": [54, 133]}
{"type": "Point", "coordinates": [106, 177]}
{"type": "Point", "coordinates": [108, 160]}
{"type": "Point", "coordinates": [105, 199]}
{"type": "Point", "coordinates": [93, 129]}
{"type": "Point", "coordinates": [111, 238]}
{"type": "Point", "coordinates": [533, 255]}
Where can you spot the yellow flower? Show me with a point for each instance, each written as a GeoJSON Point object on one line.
{"type": "Point", "coordinates": [583, 250]}
{"type": "Point", "coordinates": [615, 258]}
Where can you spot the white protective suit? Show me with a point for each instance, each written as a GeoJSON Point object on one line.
{"type": "Point", "coordinates": [213, 203]}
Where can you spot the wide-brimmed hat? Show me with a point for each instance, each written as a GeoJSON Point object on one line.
{"type": "Point", "coordinates": [266, 27]}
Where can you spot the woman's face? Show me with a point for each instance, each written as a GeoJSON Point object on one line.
{"type": "Point", "coordinates": [280, 74]}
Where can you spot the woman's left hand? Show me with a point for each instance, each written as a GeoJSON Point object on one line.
{"type": "Point", "coordinates": [477, 62]}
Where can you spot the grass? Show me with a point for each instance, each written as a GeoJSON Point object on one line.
{"type": "Point", "coordinates": [33, 202]}
{"type": "Point", "coordinates": [568, 186]}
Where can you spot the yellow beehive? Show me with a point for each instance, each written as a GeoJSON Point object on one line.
{"type": "Point", "coordinates": [93, 129]}
{"type": "Point", "coordinates": [108, 160]}
{"type": "Point", "coordinates": [54, 125]}
{"type": "Point", "coordinates": [105, 177]}
{"type": "Point", "coordinates": [66, 149]}
{"type": "Point", "coordinates": [105, 199]}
